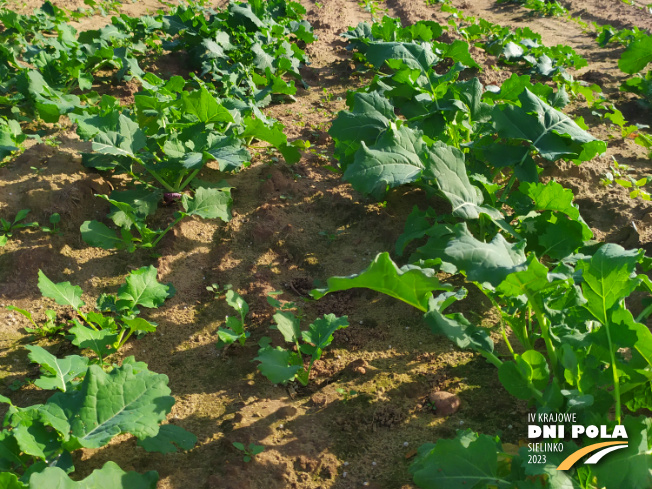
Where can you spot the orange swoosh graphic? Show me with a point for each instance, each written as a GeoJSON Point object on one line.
{"type": "Point", "coordinates": [575, 456]}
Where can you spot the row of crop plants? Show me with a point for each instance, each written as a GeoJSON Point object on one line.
{"type": "Point", "coordinates": [571, 344]}
{"type": "Point", "coordinates": [245, 57]}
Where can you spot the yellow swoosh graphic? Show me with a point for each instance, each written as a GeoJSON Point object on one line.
{"type": "Point", "coordinates": [575, 456]}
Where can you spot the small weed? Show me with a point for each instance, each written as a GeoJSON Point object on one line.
{"type": "Point", "coordinates": [347, 395]}
{"type": "Point", "coordinates": [7, 228]}
{"type": "Point", "coordinates": [331, 236]}
{"type": "Point", "coordinates": [53, 228]}
{"type": "Point", "coordinates": [249, 452]}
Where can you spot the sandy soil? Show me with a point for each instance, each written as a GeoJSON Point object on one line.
{"type": "Point", "coordinates": [313, 437]}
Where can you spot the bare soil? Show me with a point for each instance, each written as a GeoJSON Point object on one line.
{"type": "Point", "coordinates": [314, 437]}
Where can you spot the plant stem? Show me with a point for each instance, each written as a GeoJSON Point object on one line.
{"type": "Point", "coordinates": [491, 358]}
{"type": "Point", "coordinates": [188, 180]}
{"type": "Point", "coordinates": [612, 355]}
{"type": "Point", "coordinates": [174, 223]}
{"type": "Point", "coordinates": [545, 332]}
{"type": "Point", "coordinates": [160, 180]}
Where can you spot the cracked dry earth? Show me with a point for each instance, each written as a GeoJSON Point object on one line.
{"type": "Point", "coordinates": [314, 437]}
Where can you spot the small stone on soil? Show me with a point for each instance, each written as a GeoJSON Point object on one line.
{"type": "Point", "coordinates": [445, 403]}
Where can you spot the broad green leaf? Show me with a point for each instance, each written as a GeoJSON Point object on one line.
{"type": "Point", "coordinates": [140, 325]}
{"type": "Point", "coordinates": [415, 56]}
{"type": "Point", "coordinates": [108, 404]}
{"type": "Point", "coordinates": [10, 452]}
{"type": "Point", "coordinates": [627, 333]}
{"type": "Point", "coordinates": [277, 364]}
{"type": "Point", "coordinates": [458, 51]}
{"type": "Point", "coordinates": [528, 282]}
{"type": "Point", "coordinates": [410, 284]}
{"type": "Point", "coordinates": [126, 140]}
{"type": "Point", "coordinates": [394, 160]}
{"type": "Point", "coordinates": [631, 466]}
{"type": "Point", "coordinates": [369, 117]}
{"type": "Point", "coordinates": [95, 233]}
{"type": "Point", "coordinates": [551, 132]}
{"type": "Point", "coordinates": [551, 196]}
{"type": "Point", "coordinates": [101, 342]}
{"type": "Point", "coordinates": [236, 301]}
{"type": "Point", "coordinates": [288, 325]}
{"type": "Point", "coordinates": [142, 288]}
{"type": "Point", "coordinates": [637, 55]}
{"type": "Point", "coordinates": [467, 461]}
{"type": "Point", "coordinates": [9, 480]}
{"type": "Point", "coordinates": [209, 203]}
{"type": "Point", "coordinates": [487, 263]}
{"type": "Point", "coordinates": [530, 370]}
{"type": "Point", "coordinates": [227, 336]}
{"type": "Point", "coordinates": [167, 440]}
{"type": "Point", "coordinates": [607, 278]}
{"type": "Point", "coordinates": [446, 165]}
{"type": "Point", "coordinates": [110, 476]}
{"type": "Point", "coordinates": [204, 106]}
{"type": "Point", "coordinates": [455, 326]}
{"type": "Point", "coordinates": [142, 203]}
{"type": "Point", "coordinates": [59, 371]}
{"type": "Point", "coordinates": [320, 334]}
{"type": "Point", "coordinates": [63, 293]}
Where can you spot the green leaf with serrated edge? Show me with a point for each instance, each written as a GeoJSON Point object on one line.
{"type": "Point", "coordinates": [415, 56]}
{"type": "Point", "coordinates": [110, 476]}
{"type": "Point", "coordinates": [370, 116]}
{"type": "Point", "coordinates": [94, 233]}
{"type": "Point", "coordinates": [126, 140]}
{"type": "Point", "coordinates": [631, 466]}
{"type": "Point", "coordinates": [63, 293]}
{"type": "Point", "coordinates": [320, 333]}
{"type": "Point", "coordinates": [277, 364]}
{"type": "Point", "coordinates": [458, 51]}
{"type": "Point", "coordinates": [101, 342]}
{"type": "Point", "coordinates": [446, 165]}
{"type": "Point", "coordinates": [257, 128]}
{"type": "Point", "coordinates": [410, 284]}
{"type": "Point", "coordinates": [204, 106]}
{"type": "Point", "coordinates": [469, 460]}
{"type": "Point", "coordinates": [108, 404]}
{"type": "Point", "coordinates": [551, 196]}
{"type": "Point", "coordinates": [395, 159]}
{"type": "Point", "coordinates": [167, 440]}
{"type": "Point", "coordinates": [637, 55]}
{"type": "Point", "coordinates": [288, 325]}
{"type": "Point", "coordinates": [563, 237]}
{"type": "Point", "coordinates": [142, 288]}
{"type": "Point", "coordinates": [550, 131]}
{"type": "Point", "coordinates": [607, 278]}
{"type": "Point", "coordinates": [487, 263]}
{"type": "Point", "coordinates": [529, 282]}
{"type": "Point", "coordinates": [209, 203]}
{"type": "Point", "coordinates": [455, 326]}
{"type": "Point", "coordinates": [59, 371]}
{"type": "Point", "coordinates": [142, 202]}
{"type": "Point", "coordinates": [140, 325]}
